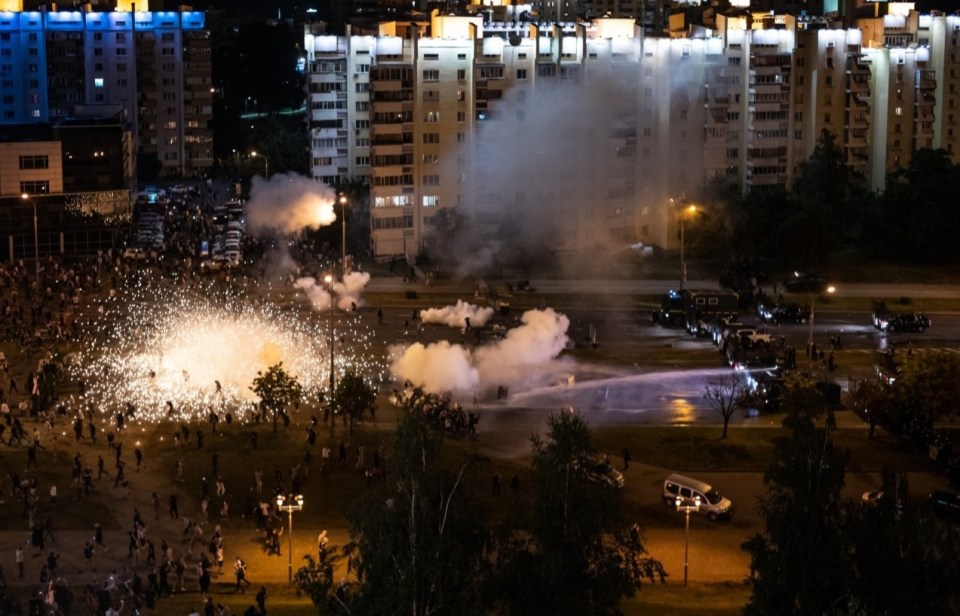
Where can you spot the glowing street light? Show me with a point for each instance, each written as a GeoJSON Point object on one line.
{"type": "Point", "coordinates": [343, 240]}
{"type": "Point", "coordinates": [36, 241]}
{"type": "Point", "coordinates": [813, 300]}
{"type": "Point", "coordinates": [691, 210]}
{"type": "Point", "coordinates": [295, 504]}
{"type": "Point", "coordinates": [266, 163]}
{"type": "Point", "coordinates": [686, 545]}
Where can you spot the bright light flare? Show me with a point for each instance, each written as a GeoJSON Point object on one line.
{"type": "Point", "coordinates": [176, 355]}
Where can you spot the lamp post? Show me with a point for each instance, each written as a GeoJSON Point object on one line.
{"type": "Point", "coordinates": [813, 300]}
{"type": "Point", "coordinates": [266, 163]}
{"type": "Point", "coordinates": [691, 209]}
{"type": "Point", "coordinates": [686, 545]}
{"type": "Point", "coordinates": [36, 241]}
{"type": "Point", "coordinates": [329, 280]}
{"type": "Point", "coordinates": [296, 504]}
{"type": "Point", "coordinates": [343, 239]}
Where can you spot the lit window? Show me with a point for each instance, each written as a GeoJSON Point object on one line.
{"type": "Point", "coordinates": [98, 82]}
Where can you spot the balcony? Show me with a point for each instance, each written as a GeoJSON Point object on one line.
{"type": "Point", "coordinates": [858, 86]}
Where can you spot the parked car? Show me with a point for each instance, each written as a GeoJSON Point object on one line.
{"type": "Point", "coordinates": [785, 313]}
{"type": "Point", "coordinates": [688, 491]}
{"type": "Point", "coordinates": [907, 322]}
{"type": "Point", "coordinates": [600, 471]}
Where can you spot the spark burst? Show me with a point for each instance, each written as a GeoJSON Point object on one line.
{"type": "Point", "coordinates": [165, 350]}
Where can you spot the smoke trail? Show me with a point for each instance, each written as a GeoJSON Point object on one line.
{"type": "Point", "coordinates": [455, 316]}
{"type": "Point", "coordinates": [289, 203]}
{"type": "Point", "coordinates": [525, 357]}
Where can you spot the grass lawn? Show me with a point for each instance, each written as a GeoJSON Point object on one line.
{"type": "Point", "coordinates": [722, 599]}
{"type": "Point", "coordinates": [695, 448]}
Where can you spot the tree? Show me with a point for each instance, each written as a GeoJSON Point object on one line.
{"type": "Point", "coordinates": [906, 563]}
{"type": "Point", "coordinates": [315, 579]}
{"type": "Point", "coordinates": [276, 389]}
{"type": "Point", "coordinates": [726, 395]}
{"type": "Point", "coordinates": [798, 563]}
{"type": "Point", "coordinates": [928, 387]}
{"type": "Point", "coordinates": [873, 400]}
{"type": "Point", "coordinates": [417, 544]}
{"type": "Point", "coordinates": [578, 554]}
{"type": "Point", "coordinates": [354, 397]}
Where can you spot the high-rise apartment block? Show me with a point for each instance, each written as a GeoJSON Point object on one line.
{"type": "Point", "coordinates": [152, 68]}
{"type": "Point", "coordinates": [592, 128]}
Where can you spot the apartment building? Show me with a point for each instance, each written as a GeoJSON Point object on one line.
{"type": "Point", "coordinates": [153, 66]}
{"type": "Point", "coordinates": [590, 129]}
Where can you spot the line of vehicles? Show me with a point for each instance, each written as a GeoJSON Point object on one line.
{"type": "Point", "coordinates": [229, 226]}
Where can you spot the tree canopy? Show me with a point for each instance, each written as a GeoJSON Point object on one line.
{"type": "Point", "coordinates": [578, 533]}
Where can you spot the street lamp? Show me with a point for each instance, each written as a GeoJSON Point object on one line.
{"type": "Point", "coordinates": [296, 504]}
{"type": "Point", "coordinates": [36, 241]}
{"type": "Point", "coordinates": [266, 163]}
{"type": "Point", "coordinates": [329, 280]}
{"type": "Point", "coordinates": [813, 300]}
{"type": "Point", "coordinates": [691, 209]}
{"type": "Point", "coordinates": [686, 546]}
{"type": "Point", "coordinates": [236, 155]}
{"type": "Point", "coordinates": [343, 240]}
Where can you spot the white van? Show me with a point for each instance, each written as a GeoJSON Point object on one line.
{"type": "Point", "coordinates": [712, 504]}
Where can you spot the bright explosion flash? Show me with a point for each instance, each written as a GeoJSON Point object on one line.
{"type": "Point", "coordinates": [177, 355]}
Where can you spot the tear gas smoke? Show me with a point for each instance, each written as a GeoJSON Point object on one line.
{"type": "Point", "coordinates": [350, 289]}
{"type": "Point", "coordinates": [440, 366]}
{"type": "Point", "coordinates": [455, 316]}
{"type": "Point", "coordinates": [348, 292]}
{"type": "Point", "coordinates": [289, 203]}
{"type": "Point", "coordinates": [526, 356]}
{"type": "Point", "coordinates": [317, 294]}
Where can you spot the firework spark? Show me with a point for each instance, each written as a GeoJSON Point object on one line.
{"type": "Point", "coordinates": [175, 355]}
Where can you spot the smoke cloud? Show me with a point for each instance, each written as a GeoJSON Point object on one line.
{"type": "Point", "coordinates": [525, 357]}
{"type": "Point", "coordinates": [289, 203]}
{"type": "Point", "coordinates": [317, 294]}
{"type": "Point", "coordinates": [350, 289]}
{"type": "Point", "coordinates": [440, 366]}
{"type": "Point", "coordinates": [455, 316]}
{"type": "Point", "coordinates": [348, 292]}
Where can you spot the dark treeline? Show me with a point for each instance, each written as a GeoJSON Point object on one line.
{"type": "Point", "coordinates": [828, 210]}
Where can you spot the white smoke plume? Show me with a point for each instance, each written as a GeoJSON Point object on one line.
{"type": "Point", "coordinates": [525, 357]}
{"type": "Point", "coordinates": [437, 367]}
{"type": "Point", "coordinates": [348, 292]}
{"type": "Point", "coordinates": [289, 203]}
{"type": "Point", "coordinates": [317, 294]}
{"type": "Point", "coordinates": [526, 350]}
{"type": "Point", "coordinates": [350, 289]}
{"type": "Point", "coordinates": [455, 316]}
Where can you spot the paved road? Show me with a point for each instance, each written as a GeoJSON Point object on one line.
{"type": "Point", "coordinates": [588, 286]}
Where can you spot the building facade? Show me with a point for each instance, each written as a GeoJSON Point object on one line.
{"type": "Point", "coordinates": [591, 129]}
{"type": "Point", "coordinates": [154, 67]}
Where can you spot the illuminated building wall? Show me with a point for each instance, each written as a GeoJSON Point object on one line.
{"type": "Point", "coordinates": [154, 67]}
{"type": "Point", "coordinates": [454, 115]}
